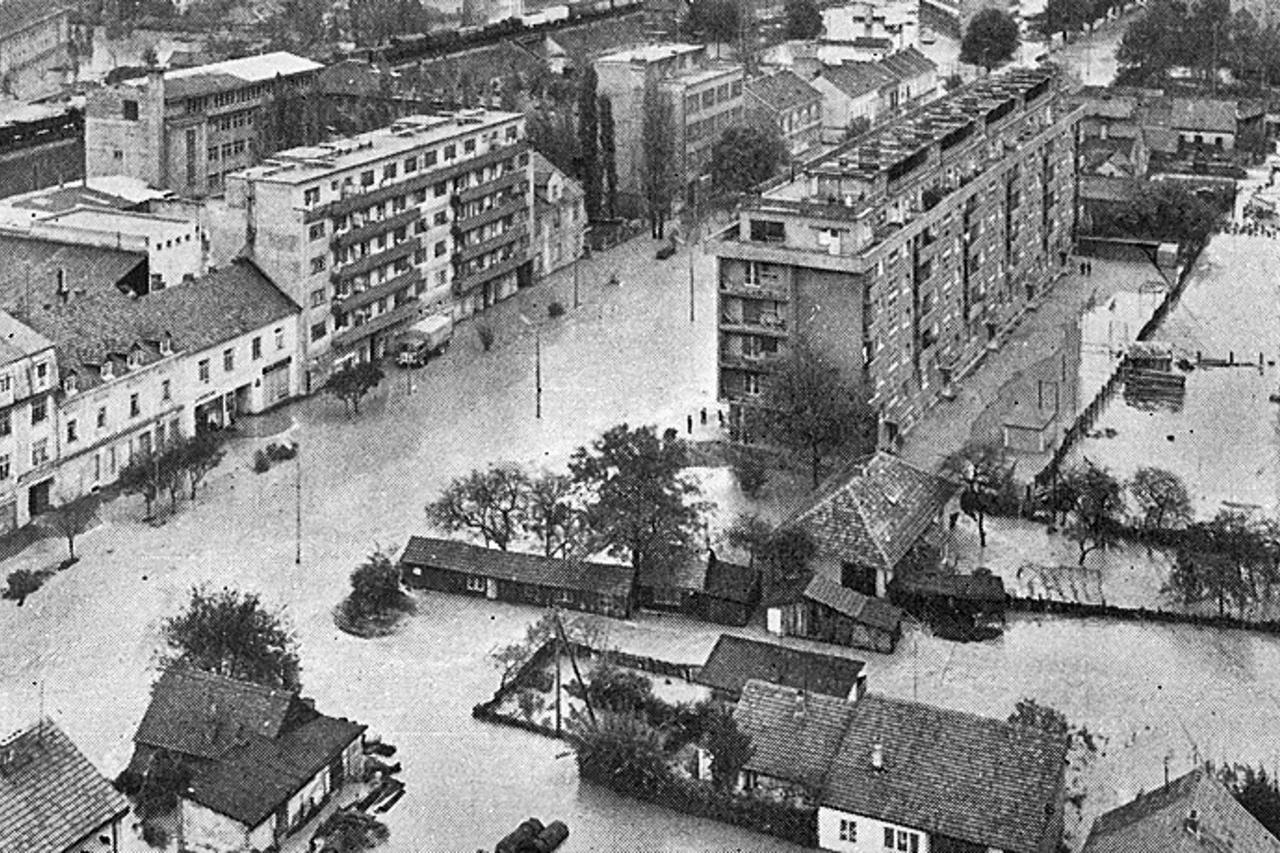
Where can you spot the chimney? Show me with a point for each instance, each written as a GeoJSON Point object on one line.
{"type": "Point", "coordinates": [877, 756]}
{"type": "Point", "coordinates": [1192, 823]}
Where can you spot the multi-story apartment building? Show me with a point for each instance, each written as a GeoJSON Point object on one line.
{"type": "Point", "coordinates": [904, 252]}
{"type": "Point", "coordinates": [185, 129]}
{"type": "Point", "coordinates": [34, 41]}
{"type": "Point", "coordinates": [367, 234]}
{"type": "Point", "coordinates": [705, 98]}
{"type": "Point", "coordinates": [786, 101]}
{"type": "Point", "coordinates": [28, 379]}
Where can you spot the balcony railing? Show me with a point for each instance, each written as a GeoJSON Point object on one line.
{"type": "Point", "coordinates": [355, 301]}
{"type": "Point", "coordinates": [760, 363]}
{"type": "Point", "coordinates": [353, 236]}
{"type": "Point", "coordinates": [371, 262]}
{"type": "Point", "coordinates": [403, 313]}
{"type": "Point", "coordinates": [464, 283]}
{"type": "Point", "coordinates": [775, 291]}
{"type": "Point", "coordinates": [515, 232]}
{"type": "Point", "coordinates": [776, 326]}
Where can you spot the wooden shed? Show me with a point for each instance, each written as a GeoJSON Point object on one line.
{"type": "Point", "coordinates": [826, 611]}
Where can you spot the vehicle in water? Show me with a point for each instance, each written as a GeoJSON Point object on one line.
{"type": "Point", "coordinates": [424, 340]}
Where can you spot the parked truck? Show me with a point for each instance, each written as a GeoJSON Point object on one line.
{"type": "Point", "coordinates": [424, 340]}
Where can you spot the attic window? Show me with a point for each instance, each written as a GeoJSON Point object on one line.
{"type": "Point", "coordinates": [105, 369]}
{"type": "Point", "coordinates": [166, 344]}
{"type": "Point", "coordinates": [69, 383]}
{"type": "Point", "coordinates": [135, 358]}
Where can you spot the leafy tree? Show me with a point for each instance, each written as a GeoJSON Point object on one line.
{"type": "Point", "coordinates": [751, 533]}
{"type": "Point", "coordinates": [551, 134]}
{"type": "Point", "coordinates": [70, 520]}
{"type": "Point", "coordinates": [609, 157]}
{"type": "Point", "coordinates": [981, 469]}
{"type": "Point", "coordinates": [641, 505]}
{"type": "Point", "coordinates": [990, 40]}
{"type": "Point", "coordinates": [201, 454]}
{"type": "Point", "coordinates": [1165, 210]}
{"type": "Point", "coordinates": [493, 503]}
{"type": "Point", "coordinates": [21, 583]}
{"type": "Point", "coordinates": [553, 516]}
{"type": "Point", "coordinates": [589, 143]}
{"type": "Point", "coordinates": [804, 20]}
{"type": "Point", "coordinates": [1162, 498]}
{"type": "Point", "coordinates": [810, 408]}
{"type": "Point", "coordinates": [858, 125]}
{"type": "Point", "coordinates": [142, 476]}
{"type": "Point", "coordinates": [1064, 16]}
{"type": "Point", "coordinates": [165, 779]}
{"type": "Point", "coordinates": [1094, 518]}
{"type": "Point", "coordinates": [300, 24]}
{"type": "Point", "coordinates": [234, 634]}
{"type": "Point", "coordinates": [713, 21]}
{"type": "Point", "coordinates": [352, 383]}
{"type": "Point", "coordinates": [747, 155]}
{"type": "Point", "coordinates": [375, 586]}
{"type": "Point", "coordinates": [621, 750]}
{"type": "Point", "coordinates": [351, 831]}
{"type": "Point", "coordinates": [657, 158]}
{"type": "Point", "coordinates": [786, 554]}
{"type": "Point", "coordinates": [730, 748]}
{"type": "Point", "coordinates": [1256, 791]}
{"type": "Point", "coordinates": [510, 658]}
{"type": "Point", "coordinates": [1033, 715]}
{"type": "Point", "coordinates": [620, 691]}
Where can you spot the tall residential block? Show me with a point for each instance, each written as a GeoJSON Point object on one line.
{"type": "Point", "coordinates": [185, 129]}
{"type": "Point", "coordinates": [903, 253]}
{"type": "Point", "coordinates": [432, 214]}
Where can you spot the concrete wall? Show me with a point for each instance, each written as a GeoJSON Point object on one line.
{"type": "Point", "coordinates": [206, 831]}
{"type": "Point", "coordinates": [869, 833]}
{"type": "Point", "coordinates": [48, 164]}
{"type": "Point", "coordinates": [115, 145]}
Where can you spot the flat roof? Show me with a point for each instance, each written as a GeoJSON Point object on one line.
{"type": "Point", "coordinates": [651, 52]}
{"type": "Point", "coordinates": [250, 69]}
{"type": "Point", "coordinates": [311, 162]}
{"type": "Point", "coordinates": [124, 221]}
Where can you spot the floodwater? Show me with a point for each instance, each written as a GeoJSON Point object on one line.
{"type": "Point", "coordinates": [1224, 440]}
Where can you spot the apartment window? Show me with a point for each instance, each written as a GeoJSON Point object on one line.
{"type": "Point", "coordinates": [419, 196]}
{"type": "Point", "coordinates": [469, 145]}
{"type": "Point", "coordinates": [513, 132]}
{"type": "Point", "coordinates": [410, 165]}
{"type": "Point", "coordinates": [202, 370]}
{"type": "Point", "coordinates": [420, 255]}
{"type": "Point", "coordinates": [117, 154]}
{"type": "Point", "coordinates": [42, 374]}
{"type": "Point", "coordinates": [129, 109]}
{"type": "Point", "coordinates": [428, 159]}
{"type": "Point", "coordinates": [736, 88]}
{"type": "Point", "coordinates": [316, 231]}
{"type": "Point", "coordinates": [441, 217]}
{"type": "Point", "coordinates": [317, 299]}
{"type": "Point", "coordinates": [420, 227]}
{"type": "Point", "coordinates": [228, 360]}
{"type": "Point", "coordinates": [399, 203]}
{"type": "Point", "coordinates": [165, 391]}
{"type": "Point", "coordinates": [40, 452]}
{"type": "Point", "coordinates": [211, 152]}
{"type": "Point", "coordinates": [4, 466]}
{"type": "Point", "coordinates": [848, 830]}
{"type": "Point", "coordinates": [318, 331]}
{"type": "Point", "coordinates": [475, 583]}
{"type": "Point", "coordinates": [450, 151]}
{"type": "Point", "coordinates": [366, 178]}
{"type": "Point", "coordinates": [311, 196]}
{"type": "Point", "coordinates": [767, 231]}
{"type": "Point", "coordinates": [708, 98]}
{"type": "Point", "coordinates": [388, 171]}
{"type": "Point", "coordinates": [255, 348]}
{"type": "Point", "coordinates": [440, 188]}
{"type": "Point", "coordinates": [102, 417]}
{"type": "Point", "coordinates": [39, 411]}
{"type": "Point", "coordinates": [6, 426]}
{"type": "Point", "coordinates": [317, 264]}
{"type": "Point", "coordinates": [5, 384]}
{"type": "Point", "coordinates": [280, 338]}
{"type": "Point", "coordinates": [72, 432]}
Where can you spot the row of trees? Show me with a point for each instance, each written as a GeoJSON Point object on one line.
{"type": "Point", "coordinates": [172, 469]}
{"type": "Point", "coordinates": [1204, 36]}
{"type": "Point", "coordinates": [1072, 16]}
{"type": "Point", "coordinates": [1160, 210]}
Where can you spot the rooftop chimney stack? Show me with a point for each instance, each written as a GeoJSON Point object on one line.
{"type": "Point", "coordinates": [877, 756]}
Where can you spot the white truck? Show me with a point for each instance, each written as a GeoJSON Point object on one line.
{"type": "Point", "coordinates": [423, 340]}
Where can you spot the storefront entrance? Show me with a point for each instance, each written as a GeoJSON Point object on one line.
{"type": "Point", "coordinates": [38, 498]}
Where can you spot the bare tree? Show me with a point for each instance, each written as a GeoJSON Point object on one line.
{"type": "Point", "coordinates": [493, 503]}
{"type": "Point", "coordinates": [70, 520]}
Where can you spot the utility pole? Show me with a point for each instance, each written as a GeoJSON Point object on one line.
{"type": "Point", "coordinates": [297, 483]}
{"type": "Point", "coordinates": [693, 242]}
{"type": "Point", "coordinates": [576, 261]}
{"type": "Point", "coordinates": [537, 372]}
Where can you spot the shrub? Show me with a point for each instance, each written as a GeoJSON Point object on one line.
{"type": "Point", "coordinates": [281, 452]}
{"type": "Point", "coordinates": [555, 309]}
{"type": "Point", "coordinates": [23, 582]}
{"type": "Point", "coordinates": [155, 835]}
{"type": "Point", "coordinates": [261, 462]}
{"type": "Point", "coordinates": [128, 783]}
{"type": "Point", "coordinates": [485, 334]}
{"type": "Point", "coordinates": [750, 472]}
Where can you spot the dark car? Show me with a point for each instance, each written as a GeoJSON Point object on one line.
{"type": "Point", "coordinates": [666, 251]}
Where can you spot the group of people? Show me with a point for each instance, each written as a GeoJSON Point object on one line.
{"type": "Point", "coordinates": [1252, 227]}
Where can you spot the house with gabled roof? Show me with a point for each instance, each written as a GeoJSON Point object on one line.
{"type": "Point", "coordinates": [1194, 813]}
{"type": "Point", "coordinates": [736, 660]}
{"type": "Point", "coordinates": [263, 761]}
{"type": "Point", "coordinates": [870, 517]}
{"type": "Point", "coordinates": [785, 100]}
{"type": "Point", "coordinates": [821, 609]}
{"type": "Point", "coordinates": [917, 778]}
{"type": "Point", "coordinates": [52, 799]}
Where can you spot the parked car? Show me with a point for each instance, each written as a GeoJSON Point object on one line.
{"type": "Point", "coordinates": [666, 250]}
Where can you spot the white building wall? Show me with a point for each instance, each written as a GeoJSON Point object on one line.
{"type": "Point", "coordinates": [206, 831]}
{"type": "Point", "coordinates": [19, 436]}
{"type": "Point", "coordinates": [870, 834]}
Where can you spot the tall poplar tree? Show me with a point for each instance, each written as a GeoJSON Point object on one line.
{"type": "Point", "coordinates": [609, 158]}
{"type": "Point", "coordinates": [589, 144]}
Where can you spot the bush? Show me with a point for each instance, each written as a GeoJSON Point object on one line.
{"type": "Point", "coordinates": [261, 462]}
{"type": "Point", "coordinates": [750, 472]}
{"type": "Point", "coordinates": [155, 835]}
{"type": "Point", "coordinates": [555, 309]}
{"type": "Point", "coordinates": [485, 333]}
{"type": "Point", "coordinates": [128, 783]}
{"type": "Point", "coordinates": [23, 582]}
{"type": "Point", "coordinates": [281, 452]}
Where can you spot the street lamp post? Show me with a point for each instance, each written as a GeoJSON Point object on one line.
{"type": "Point", "coordinates": [537, 366]}
{"type": "Point", "coordinates": [297, 482]}
{"type": "Point", "coordinates": [576, 261]}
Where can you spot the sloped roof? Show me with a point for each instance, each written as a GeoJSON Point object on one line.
{"type": "Point", "coordinates": [856, 78]}
{"type": "Point", "coordinates": [17, 340]}
{"type": "Point", "coordinates": [967, 777]}
{"type": "Point", "coordinates": [1096, 152]}
{"type": "Point", "coordinates": [730, 581]}
{"type": "Point", "coordinates": [686, 572]}
{"type": "Point", "coordinates": [782, 90]}
{"type": "Point", "coordinates": [358, 78]}
{"type": "Point", "coordinates": [250, 748]}
{"type": "Point", "coordinates": [981, 588]}
{"type": "Point", "coordinates": [908, 63]}
{"type": "Point", "coordinates": [875, 511]}
{"type": "Point", "coordinates": [479, 65]}
{"type": "Point", "coordinates": [795, 734]}
{"type": "Point", "coordinates": [1156, 821]}
{"type": "Point", "coordinates": [604, 578]}
{"type": "Point", "coordinates": [19, 14]}
{"type": "Point", "coordinates": [585, 43]}
{"type": "Point", "coordinates": [50, 795]}
{"type": "Point", "coordinates": [233, 73]}
{"type": "Point", "coordinates": [1215, 116]}
{"type": "Point", "coordinates": [736, 660]}
{"type": "Point", "coordinates": [865, 609]}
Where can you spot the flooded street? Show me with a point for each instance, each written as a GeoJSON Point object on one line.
{"type": "Point", "coordinates": [1224, 440]}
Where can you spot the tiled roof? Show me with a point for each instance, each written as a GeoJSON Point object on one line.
{"type": "Point", "coordinates": [1096, 152]}
{"type": "Point", "coordinates": [782, 90]}
{"type": "Point", "coordinates": [17, 340]}
{"type": "Point", "coordinates": [875, 512]}
{"type": "Point", "coordinates": [970, 778]}
{"type": "Point", "coordinates": [250, 748]}
{"type": "Point", "coordinates": [1208, 114]}
{"type": "Point", "coordinates": [981, 588]}
{"type": "Point", "coordinates": [1157, 822]}
{"type": "Point", "coordinates": [685, 572]}
{"type": "Point", "coordinates": [865, 609]}
{"type": "Point", "coordinates": [908, 63]}
{"type": "Point", "coordinates": [736, 660]}
{"type": "Point", "coordinates": [730, 581]}
{"type": "Point", "coordinates": [19, 14]}
{"type": "Point", "coordinates": [603, 578]}
{"type": "Point", "coordinates": [856, 78]}
{"type": "Point", "coordinates": [50, 795]}
{"type": "Point", "coordinates": [795, 734]}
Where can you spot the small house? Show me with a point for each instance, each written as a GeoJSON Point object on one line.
{"type": "Point", "coordinates": [916, 778]}
{"type": "Point", "coordinates": [672, 585]}
{"type": "Point", "coordinates": [263, 761]}
{"type": "Point", "coordinates": [730, 592]}
{"type": "Point", "coordinates": [466, 569]}
{"type": "Point", "coordinates": [52, 800]}
{"type": "Point", "coordinates": [826, 611]}
{"type": "Point", "coordinates": [736, 660]}
{"type": "Point", "coordinates": [973, 600]}
{"type": "Point", "coordinates": [1192, 814]}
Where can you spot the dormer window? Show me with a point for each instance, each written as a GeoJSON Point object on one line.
{"type": "Point", "coordinates": [105, 371]}
{"type": "Point", "coordinates": [135, 358]}
{"type": "Point", "coordinates": [166, 344]}
{"type": "Point", "coordinates": [69, 383]}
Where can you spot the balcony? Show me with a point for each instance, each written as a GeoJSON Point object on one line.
{"type": "Point", "coordinates": [371, 262]}
{"type": "Point", "coordinates": [409, 310]}
{"type": "Point", "coordinates": [512, 178]}
{"type": "Point", "coordinates": [356, 301]}
{"type": "Point", "coordinates": [758, 363]}
{"type": "Point", "coordinates": [770, 325]}
{"type": "Point", "coordinates": [517, 206]}
{"type": "Point", "coordinates": [775, 290]}
{"type": "Point", "coordinates": [372, 229]}
{"type": "Point", "coordinates": [462, 284]}
{"type": "Point", "coordinates": [515, 232]}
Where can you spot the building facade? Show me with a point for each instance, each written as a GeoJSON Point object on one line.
{"type": "Point", "coordinates": [560, 217]}
{"type": "Point", "coordinates": [40, 146]}
{"type": "Point", "coordinates": [186, 129]}
{"type": "Point", "coordinates": [433, 214]}
{"type": "Point", "coordinates": [705, 97]}
{"type": "Point", "coordinates": [34, 41]}
{"type": "Point", "coordinates": [897, 21]}
{"type": "Point", "coordinates": [904, 253]}
{"type": "Point", "coordinates": [787, 102]}
{"type": "Point", "coordinates": [28, 380]}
